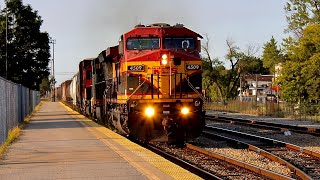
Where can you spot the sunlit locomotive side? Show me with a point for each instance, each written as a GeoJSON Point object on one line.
{"type": "Point", "coordinates": [149, 85]}
{"type": "Point", "coordinates": [85, 87]}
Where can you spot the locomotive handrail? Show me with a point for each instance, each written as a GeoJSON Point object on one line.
{"type": "Point", "coordinates": [195, 90]}
{"type": "Point", "coordinates": [107, 89]}
{"type": "Point", "coordinates": [100, 82]}
{"type": "Point", "coordinates": [135, 90]}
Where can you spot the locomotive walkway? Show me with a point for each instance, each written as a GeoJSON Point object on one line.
{"type": "Point", "coordinates": [61, 144]}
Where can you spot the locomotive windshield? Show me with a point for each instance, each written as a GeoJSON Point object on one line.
{"type": "Point", "coordinates": [143, 43]}
{"type": "Point", "coordinates": [179, 43]}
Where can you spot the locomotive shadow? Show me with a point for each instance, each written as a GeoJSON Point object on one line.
{"type": "Point", "coordinates": [53, 119]}
{"type": "Point", "coordinates": [42, 112]}
{"type": "Point", "coordinates": [55, 123]}
{"type": "Point", "coordinates": [62, 114]}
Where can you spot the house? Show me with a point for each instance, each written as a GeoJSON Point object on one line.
{"type": "Point", "coordinates": [257, 86]}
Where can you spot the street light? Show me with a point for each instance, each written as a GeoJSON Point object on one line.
{"type": "Point", "coordinates": [53, 41]}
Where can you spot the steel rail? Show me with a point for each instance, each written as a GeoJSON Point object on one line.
{"type": "Point", "coordinates": [269, 142]}
{"type": "Point", "coordinates": [241, 164]}
{"type": "Point", "coordinates": [269, 125]}
{"type": "Point", "coordinates": [192, 168]}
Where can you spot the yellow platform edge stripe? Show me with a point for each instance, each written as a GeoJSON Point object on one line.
{"type": "Point", "coordinates": [167, 167]}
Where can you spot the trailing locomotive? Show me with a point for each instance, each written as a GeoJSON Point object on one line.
{"type": "Point", "coordinates": [148, 86]}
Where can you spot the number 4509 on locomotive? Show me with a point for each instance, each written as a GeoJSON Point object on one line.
{"type": "Point", "coordinates": [149, 86]}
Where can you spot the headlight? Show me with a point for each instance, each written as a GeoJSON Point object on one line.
{"type": "Point", "coordinates": [149, 111]}
{"type": "Point", "coordinates": [197, 103]}
{"type": "Point", "coordinates": [164, 56]}
{"type": "Point", "coordinates": [164, 61]}
{"type": "Point", "coordinates": [185, 111]}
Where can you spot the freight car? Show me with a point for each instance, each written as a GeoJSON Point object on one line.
{"type": "Point", "coordinates": [74, 91]}
{"type": "Point", "coordinates": [148, 86]}
{"type": "Point", "coordinates": [65, 90]}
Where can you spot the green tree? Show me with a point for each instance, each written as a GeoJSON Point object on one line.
{"type": "Point", "coordinates": [301, 13]}
{"type": "Point", "coordinates": [210, 74]}
{"type": "Point", "coordinates": [250, 64]}
{"type": "Point", "coordinates": [271, 55]}
{"type": "Point", "coordinates": [222, 83]}
{"type": "Point", "coordinates": [28, 47]}
{"type": "Point", "coordinates": [300, 77]}
{"type": "Point", "coordinates": [45, 86]}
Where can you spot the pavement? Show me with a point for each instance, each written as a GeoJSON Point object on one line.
{"type": "Point", "coordinates": [57, 145]}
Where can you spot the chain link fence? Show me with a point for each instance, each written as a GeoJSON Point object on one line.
{"type": "Point", "coordinates": [16, 102]}
{"type": "Point", "coordinates": [297, 111]}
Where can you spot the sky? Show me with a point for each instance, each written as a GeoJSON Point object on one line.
{"type": "Point", "coordinates": [83, 28]}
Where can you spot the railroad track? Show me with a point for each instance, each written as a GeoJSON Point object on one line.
{"type": "Point", "coordinates": [221, 167]}
{"type": "Point", "coordinates": [304, 163]}
{"type": "Point", "coordinates": [266, 125]}
{"type": "Point", "coordinates": [186, 165]}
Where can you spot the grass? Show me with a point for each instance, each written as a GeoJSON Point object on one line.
{"type": "Point", "coordinates": [15, 132]}
{"type": "Point", "coordinates": [281, 110]}
{"type": "Point", "coordinates": [235, 107]}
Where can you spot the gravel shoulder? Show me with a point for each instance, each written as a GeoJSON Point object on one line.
{"type": "Point", "coordinates": [304, 140]}
{"type": "Point", "coordinates": [310, 124]}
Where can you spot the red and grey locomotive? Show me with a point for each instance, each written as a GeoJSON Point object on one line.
{"type": "Point", "coordinates": [148, 86]}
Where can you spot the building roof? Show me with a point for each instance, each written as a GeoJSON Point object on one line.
{"type": "Point", "coordinates": [253, 77]}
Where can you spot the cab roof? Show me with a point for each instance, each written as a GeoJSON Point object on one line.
{"type": "Point", "coordinates": [157, 28]}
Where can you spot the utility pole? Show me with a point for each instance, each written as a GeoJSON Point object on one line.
{"type": "Point", "coordinates": [239, 71]}
{"type": "Point", "coordinates": [256, 99]}
{"type": "Point", "coordinates": [240, 90]}
{"type": "Point", "coordinates": [6, 42]}
{"type": "Point", "coordinates": [53, 42]}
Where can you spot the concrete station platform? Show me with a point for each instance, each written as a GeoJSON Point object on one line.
{"type": "Point", "coordinates": [61, 144]}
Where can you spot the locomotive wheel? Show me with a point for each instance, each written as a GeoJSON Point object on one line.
{"type": "Point", "coordinates": [139, 128]}
{"type": "Point", "coordinates": [176, 135]}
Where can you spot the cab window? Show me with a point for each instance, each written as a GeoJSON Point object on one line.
{"type": "Point", "coordinates": [179, 43]}
{"type": "Point", "coordinates": [142, 43]}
